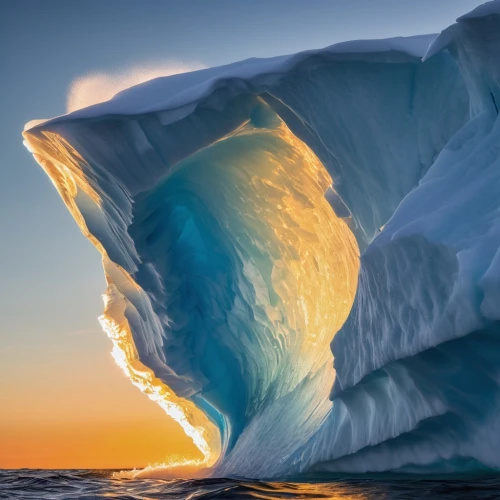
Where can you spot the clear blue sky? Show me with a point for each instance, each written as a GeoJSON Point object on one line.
{"type": "Point", "coordinates": [51, 276]}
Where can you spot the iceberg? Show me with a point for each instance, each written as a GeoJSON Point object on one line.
{"type": "Point", "coordinates": [302, 252]}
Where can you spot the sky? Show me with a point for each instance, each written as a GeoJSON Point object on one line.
{"type": "Point", "coordinates": [63, 402]}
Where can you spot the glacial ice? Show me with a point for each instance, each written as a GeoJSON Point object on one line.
{"type": "Point", "coordinates": [252, 214]}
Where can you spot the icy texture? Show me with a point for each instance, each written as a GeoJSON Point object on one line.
{"type": "Point", "coordinates": [227, 204]}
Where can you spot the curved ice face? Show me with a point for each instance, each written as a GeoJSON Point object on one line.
{"type": "Point", "coordinates": [229, 205]}
{"type": "Point", "coordinates": [227, 278]}
{"type": "Point", "coordinates": [239, 250]}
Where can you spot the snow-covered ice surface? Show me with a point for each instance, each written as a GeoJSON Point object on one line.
{"type": "Point", "coordinates": [249, 214]}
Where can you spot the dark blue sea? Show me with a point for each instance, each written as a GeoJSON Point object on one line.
{"type": "Point", "coordinates": [87, 485]}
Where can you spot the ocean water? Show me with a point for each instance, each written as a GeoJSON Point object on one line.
{"type": "Point", "coordinates": [95, 484]}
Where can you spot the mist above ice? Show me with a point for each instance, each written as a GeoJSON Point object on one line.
{"type": "Point", "coordinates": [99, 86]}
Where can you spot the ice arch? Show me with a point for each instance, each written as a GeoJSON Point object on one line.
{"type": "Point", "coordinates": [228, 277]}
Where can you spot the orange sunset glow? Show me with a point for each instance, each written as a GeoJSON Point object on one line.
{"type": "Point", "coordinates": [61, 414]}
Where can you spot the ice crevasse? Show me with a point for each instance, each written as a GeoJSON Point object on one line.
{"type": "Point", "coordinates": [302, 252]}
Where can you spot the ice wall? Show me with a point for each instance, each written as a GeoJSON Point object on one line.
{"type": "Point", "coordinates": [229, 205]}
{"type": "Point", "coordinates": [427, 309]}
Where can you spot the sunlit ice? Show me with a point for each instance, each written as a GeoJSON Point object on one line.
{"type": "Point", "coordinates": [229, 204]}
{"type": "Point", "coordinates": [251, 229]}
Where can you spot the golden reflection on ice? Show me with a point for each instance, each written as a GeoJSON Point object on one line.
{"type": "Point", "coordinates": [273, 186]}
{"type": "Point", "coordinates": [116, 326]}
{"type": "Point", "coordinates": [279, 194]}
{"type": "Point", "coordinates": [63, 164]}
{"type": "Point", "coordinates": [316, 277]}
